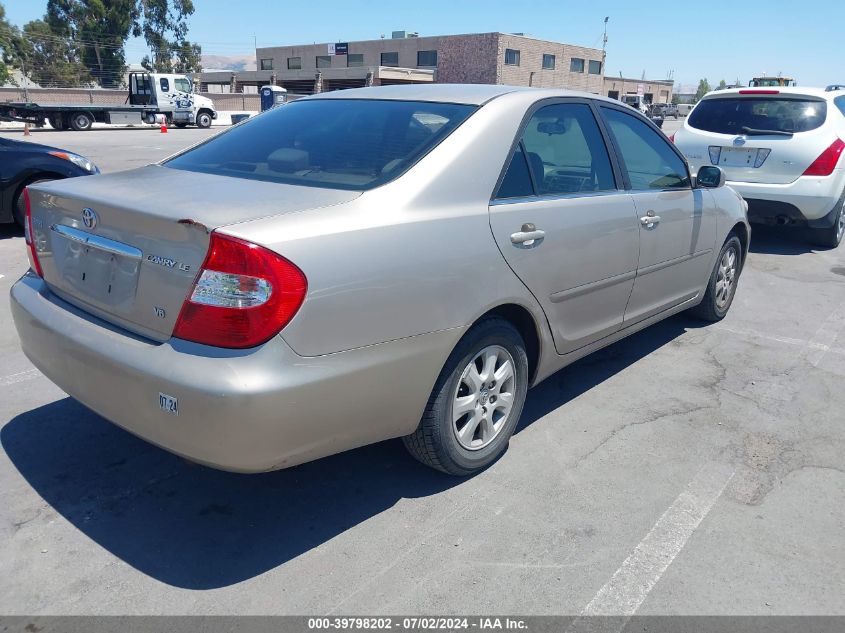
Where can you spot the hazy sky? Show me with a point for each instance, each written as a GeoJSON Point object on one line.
{"type": "Point", "coordinates": [717, 39]}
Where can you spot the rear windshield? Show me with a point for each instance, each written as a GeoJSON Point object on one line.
{"type": "Point", "coordinates": [336, 143]}
{"type": "Point", "coordinates": [730, 115]}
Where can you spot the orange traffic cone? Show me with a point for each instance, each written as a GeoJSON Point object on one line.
{"type": "Point", "coordinates": [26, 131]}
{"type": "Point", "coordinates": [164, 127]}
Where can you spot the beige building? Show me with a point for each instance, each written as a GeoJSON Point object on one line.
{"type": "Point", "coordinates": [653, 91]}
{"type": "Point", "coordinates": [495, 58]}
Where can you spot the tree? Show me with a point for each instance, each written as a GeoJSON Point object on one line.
{"type": "Point", "coordinates": [98, 30]}
{"type": "Point", "coordinates": [50, 59]}
{"type": "Point", "coordinates": [703, 89]}
{"type": "Point", "coordinates": [10, 47]}
{"type": "Point", "coordinates": [164, 25]}
{"type": "Point", "coordinates": [676, 99]}
{"type": "Point", "coordinates": [722, 85]}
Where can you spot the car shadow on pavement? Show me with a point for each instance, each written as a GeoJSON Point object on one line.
{"type": "Point", "coordinates": [198, 528]}
{"type": "Point", "coordinates": [780, 240]}
{"type": "Point", "coordinates": [10, 230]}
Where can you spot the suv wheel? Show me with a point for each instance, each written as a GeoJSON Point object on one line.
{"type": "Point", "coordinates": [476, 402]}
{"type": "Point", "coordinates": [722, 284]}
{"type": "Point", "coordinates": [831, 236]}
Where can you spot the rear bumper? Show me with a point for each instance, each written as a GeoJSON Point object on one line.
{"type": "Point", "coordinates": [806, 200]}
{"type": "Point", "coordinates": [241, 410]}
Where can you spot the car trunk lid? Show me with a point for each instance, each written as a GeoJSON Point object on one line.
{"type": "Point", "coordinates": [127, 247]}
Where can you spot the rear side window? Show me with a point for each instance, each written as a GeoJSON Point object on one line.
{"type": "Point", "coordinates": [335, 143]}
{"type": "Point", "coordinates": [650, 161]}
{"type": "Point", "coordinates": [517, 180]}
{"type": "Point", "coordinates": [840, 103]}
{"type": "Point", "coordinates": [566, 151]}
{"type": "Point", "coordinates": [165, 85]}
{"type": "Point", "coordinates": [738, 115]}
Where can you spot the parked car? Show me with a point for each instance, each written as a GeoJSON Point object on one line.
{"type": "Point", "coordinates": [780, 148]}
{"type": "Point", "coordinates": [400, 261]}
{"type": "Point", "coordinates": [23, 164]}
{"type": "Point", "coordinates": [684, 109]}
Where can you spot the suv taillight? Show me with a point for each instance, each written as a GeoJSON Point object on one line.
{"type": "Point", "coordinates": [243, 296]}
{"type": "Point", "coordinates": [826, 162]}
{"type": "Point", "coordinates": [30, 236]}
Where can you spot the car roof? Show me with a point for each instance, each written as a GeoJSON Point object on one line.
{"type": "Point", "coordinates": [470, 94]}
{"type": "Point", "coordinates": [797, 91]}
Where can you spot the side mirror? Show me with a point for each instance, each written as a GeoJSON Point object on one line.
{"type": "Point", "coordinates": [710, 177]}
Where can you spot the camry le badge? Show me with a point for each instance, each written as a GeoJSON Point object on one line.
{"type": "Point", "coordinates": [89, 218]}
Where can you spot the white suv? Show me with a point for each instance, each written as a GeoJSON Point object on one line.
{"type": "Point", "coordinates": [780, 148]}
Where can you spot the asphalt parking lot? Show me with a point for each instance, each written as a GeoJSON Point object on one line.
{"type": "Point", "coordinates": [689, 469]}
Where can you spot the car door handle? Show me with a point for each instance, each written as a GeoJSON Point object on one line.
{"type": "Point", "coordinates": [527, 238]}
{"type": "Point", "coordinates": [649, 219]}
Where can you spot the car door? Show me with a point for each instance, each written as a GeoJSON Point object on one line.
{"type": "Point", "coordinates": [677, 223]}
{"type": "Point", "coordinates": [565, 225]}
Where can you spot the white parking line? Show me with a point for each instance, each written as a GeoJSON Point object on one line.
{"type": "Point", "coordinates": [826, 335]}
{"type": "Point", "coordinates": [23, 376]}
{"type": "Point", "coordinates": [813, 344]}
{"type": "Point", "coordinates": [626, 590]}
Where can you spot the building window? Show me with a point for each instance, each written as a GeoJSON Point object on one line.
{"type": "Point", "coordinates": [390, 59]}
{"type": "Point", "coordinates": [356, 59]}
{"type": "Point", "coordinates": [324, 61]}
{"type": "Point", "coordinates": [294, 63]}
{"type": "Point", "coordinates": [613, 94]}
{"type": "Point", "coordinates": [511, 57]}
{"type": "Point", "coordinates": [595, 67]}
{"type": "Point", "coordinates": [426, 58]}
{"type": "Point", "coordinates": [266, 64]}
{"type": "Point", "coordinates": [549, 62]}
{"type": "Point", "coordinates": [576, 65]}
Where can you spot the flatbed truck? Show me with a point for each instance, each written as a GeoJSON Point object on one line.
{"type": "Point", "coordinates": [150, 94]}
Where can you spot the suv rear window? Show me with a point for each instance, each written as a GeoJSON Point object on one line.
{"type": "Point", "coordinates": [731, 114]}
{"type": "Point", "coordinates": [335, 143]}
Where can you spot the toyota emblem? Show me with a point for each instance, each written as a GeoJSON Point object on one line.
{"type": "Point", "coordinates": [89, 218]}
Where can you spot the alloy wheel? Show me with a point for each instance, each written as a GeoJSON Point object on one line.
{"type": "Point", "coordinates": [484, 397]}
{"type": "Point", "coordinates": [726, 277]}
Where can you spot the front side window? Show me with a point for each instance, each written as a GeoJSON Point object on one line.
{"type": "Point", "coordinates": [355, 59]}
{"type": "Point", "coordinates": [576, 65]}
{"type": "Point", "coordinates": [426, 58]}
{"type": "Point", "coordinates": [549, 62]}
{"type": "Point", "coordinates": [650, 160]}
{"type": "Point", "coordinates": [352, 144]}
{"type": "Point", "coordinates": [595, 67]}
{"type": "Point", "coordinates": [390, 59]}
{"type": "Point", "coordinates": [267, 64]}
{"type": "Point", "coordinates": [294, 63]}
{"type": "Point", "coordinates": [324, 61]}
{"type": "Point", "coordinates": [183, 85]}
{"type": "Point", "coordinates": [511, 57]}
{"type": "Point", "coordinates": [566, 151]}
{"type": "Point", "coordinates": [165, 84]}
{"type": "Point", "coordinates": [750, 115]}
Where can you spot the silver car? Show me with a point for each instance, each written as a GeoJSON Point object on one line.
{"type": "Point", "coordinates": [369, 264]}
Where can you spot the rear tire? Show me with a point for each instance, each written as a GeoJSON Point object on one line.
{"type": "Point", "coordinates": [81, 121]}
{"type": "Point", "coordinates": [721, 287]}
{"type": "Point", "coordinates": [57, 122]}
{"type": "Point", "coordinates": [486, 378]}
{"type": "Point", "coordinates": [831, 236]}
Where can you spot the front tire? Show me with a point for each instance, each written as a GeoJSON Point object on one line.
{"type": "Point", "coordinates": [722, 284]}
{"type": "Point", "coordinates": [203, 120]}
{"type": "Point", "coordinates": [831, 236]}
{"type": "Point", "coordinates": [476, 402]}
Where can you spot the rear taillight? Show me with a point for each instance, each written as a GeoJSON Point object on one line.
{"type": "Point", "coordinates": [243, 296]}
{"type": "Point", "coordinates": [672, 137]}
{"type": "Point", "coordinates": [826, 162]}
{"type": "Point", "coordinates": [30, 236]}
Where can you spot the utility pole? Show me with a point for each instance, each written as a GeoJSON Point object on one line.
{"type": "Point", "coordinates": [604, 37]}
